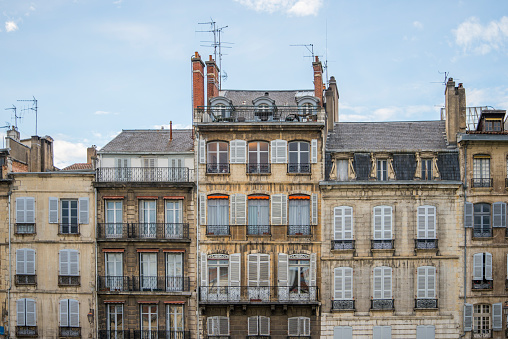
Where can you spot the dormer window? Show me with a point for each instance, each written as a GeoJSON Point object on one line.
{"type": "Point", "coordinates": [426, 169]}
{"type": "Point", "coordinates": [493, 125]}
{"type": "Point", "coordinates": [382, 173]}
{"type": "Point", "coordinates": [221, 109]}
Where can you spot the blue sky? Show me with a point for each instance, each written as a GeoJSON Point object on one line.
{"type": "Point", "coordinates": [99, 66]}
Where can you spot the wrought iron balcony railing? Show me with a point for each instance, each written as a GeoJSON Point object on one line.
{"type": "Point", "coordinates": [161, 284]}
{"type": "Point", "coordinates": [217, 168]}
{"type": "Point", "coordinates": [144, 174]}
{"type": "Point", "coordinates": [159, 231]}
{"type": "Point", "coordinates": [259, 294]}
{"type": "Point", "coordinates": [221, 230]}
{"type": "Point", "coordinates": [105, 334]}
{"type": "Point", "coordinates": [243, 113]}
{"type": "Point", "coordinates": [155, 334]}
{"type": "Point", "coordinates": [26, 279]}
{"type": "Point", "coordinates": [26, 331]}
{"type": "Point", "coordinates": [481, 182]}
{"type": "Point", "coordinates": [69, 280]}
{"type": "Point", "coordinates": [68, 229]}
{"type": "Point", "coordinates": [343, 244]}
{"type": "Point", "coordinates": [69, 331]}
{"type": "Point", "coordinates": [299, 230]}
{"type": "Point", "coordinates": [298, 337]}
{"type": "Point", "coordinates": [25, 228]}
{"type": "Point", "coordinates": [345, 304]}
{"type": "Point", "coordinates": [482, 233]}
{"type": "Point", "coordinates": [482, 284]}
{"type": "Point", "coordinates": [482, 333]}
{"type": "Point", "coordinates": [113, 283]}
{"type": "Point", "coordinates": [259, 230]}
{"type": "Point", "coordinates": [260, 168]}
{"type": "Point", "coordinates": [505, 182]}
{"type": "Point", "coordinates": [298, 168]}
{"type": "Point", "coordinates": [258, 336]}
{"type": "Point", "coordinates": [381, 244]}
{"type": "Point", "coordinates": [381, 304]}
{"type": "Point", "coordinates": [425, 244]}
{"type": "Point", "coordinates": [426, 303]}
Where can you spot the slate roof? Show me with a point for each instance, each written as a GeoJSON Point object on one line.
{"type": "Point", "coordinates": [400, 136]}
{"type": "Point", "coordinates": [284, 97]}
{"type": "Point", "coordinates": [78, 167]}
{"type": "Point", "coordinates": [151, 140]}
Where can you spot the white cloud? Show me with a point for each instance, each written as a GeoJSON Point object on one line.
{"type": "Point", "coordinates": [496, 97]}
{"type": "Point", "coordinates": [68, 153]}
{"type": "Point", "coordinates": [117, 2]}
{"type": "Point", "coordinates": [104, 113]}
{"type": "Point", "coordinates": [471, 35]}
{"type": "Point", "coordinates": [418, 25]}
{"type": "Point", "coordinates": [10, 26]}
{"type": "Point", "coordinates": [392, 113]}
{"type": "Point", "coordinates": [293, 7]}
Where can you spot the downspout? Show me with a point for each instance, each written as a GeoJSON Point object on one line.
{"type": "Point", "coordinates": [465, 237]}
{"type": "Point", "coordinates": [10, 269]}
{"type": "Point", "coordinates": [196, 166]}
{"type": "Point", "coordinates": [96, 306]}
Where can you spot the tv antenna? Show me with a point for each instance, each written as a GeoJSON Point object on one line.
{"type": "Point", "coordinates": [310, 49]}
{"type": "Point", "coordinates": [32, 108]}
{"type": "Point", "coordinates": [16, 117]}
{"type": "Point", "coordinates": [217, 45]}
{"type": "Point", "coordinates": [446, 74]}
{"type": "Point", "coordinates": [8, 126]}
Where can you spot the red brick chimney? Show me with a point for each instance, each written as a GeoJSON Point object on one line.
{"type": "Point", "coordinates": [318, 80]}
{"type": "Point", "coordinates": [212, 79]}
{"type": "Point", "coordinates": [198, 81]}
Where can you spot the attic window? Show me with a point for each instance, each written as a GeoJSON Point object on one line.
{"type": "Point", "coordinates": [492, 125]}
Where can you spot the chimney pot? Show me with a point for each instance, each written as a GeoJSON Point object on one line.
{"type": "Point", "coordinates": [171, 131]}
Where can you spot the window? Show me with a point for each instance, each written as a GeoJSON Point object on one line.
{"type": "Point", "coordinates": [297, 276]}
{"type": "Point", "coordinates": [342, 228]}
{"type": "Point", "coordinates": [343, 288]}
{"type": "Point", "coordinates": [342, 332]}
{"type": "Point", "coordinates": [382, 292]}
{"type": "Point", "coordinates": [69, 216]}
{"type": "Point", "coordinates": [175, 321]}
{"type": "Point", "coordinates": [382, 332]}
{"type": "Point", "coordinates": [115, 321]}
{"type": "Point", "coordinates": [425, 332]}
{"type": "Point", "coordinates": [382, 227]}
{"type": "Point", "coordinates": [481, 171]}
{"type": "Point", "coordinates": [381, 170]}
{"type": "Point", "coordinates": [147, 219]}
{"type": "Point", "coordinates": [299, 157]}
{"type": "Point", "coordinates": [342, 169]}
{"type": "Point", "coordinates": [122, 172]}
{"type": "Point", "coordinates": [26, 317]}
{"type": "Point", "coordinates": [426, 227]}
{"type": "Point", "coordinates": [426, 287]}
{"type": "Point", "coordinates": [258, 157]}
{"type": "Point", "coordinates": [299, 215]}
{"type": "Point", "coordinates": [25, 215]}
{"type": "Point", "coordinates": [69, 267]}
{"type": "Point", "coordinates": [69, 318]}
{"type": "Point", "coordinates": [220, 276]}
{"type": "Point", "coordinates": [218, 215]}
{"type": "Point", "coordinates": [148, 271]}
{"type": "Point", "coordinates": [177, 170]}
{"type": "Point", "coordinates": [149, 320]}
{"type": "Point", "coordinates": [482, 271]}
{"type": "Point", "coordinates": [307, 109]}
{"type": "Point", "coordinates": [114, 271]}
{"type": "Point", "coordinates": [258, 325]}
{"type": "Point", "coordinates": [217, 157]}
{"type": "Point", "coordinates": [426, 169]}
{"type": "Point", "coordinates": [173, 227]}
{"type": "Point", "coordinates": [492, 125]}
{"type": "Point", "coordinates": [114, 225]}
{"type": "Point", "coordinates": [25, 267]}
{"type": "Point", "coordinates": [481, 227]}
{"type": "Point", "coordinates": [174, 272]}
{"type": "Point", "coordinates": [217, 326]}
{"type": "Point", "coordinates": [73, 212]}
{"type": "Point", "coordinates": [259, 223]}
{"type": "Point", "coordinates": [149, 168]}
{"type": "Point", "coordinates": [299, 327]}
{"type": "Point", "coordinates": [258, 275]}
{"type": "Point", "coordinates": [482, 321]}
{"type": "Point", "coordinates": [220, 111]}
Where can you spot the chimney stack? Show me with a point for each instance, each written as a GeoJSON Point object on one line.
{"type": "Point", "coordinates": [212, 79]}
{"type": "Point", "coordinates": [198, 81]}
{"type": "Point", "coordinates": [332, 104]}
{"type": "Point", "coordinates": [455, 107]}
{"type": "Point", "coordinates": [171, 131]}
{"type": "Point", "coordinates": [91, 153]}
{"type": "Point", "coordinates": [318, 80]}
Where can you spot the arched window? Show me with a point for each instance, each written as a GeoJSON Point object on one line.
{"type": "Point", "coordinates": [299, 157]}
{"type": "Point", "coordinates": [217, 157]}
{"type": "Point", "coordinates": [258, 157]}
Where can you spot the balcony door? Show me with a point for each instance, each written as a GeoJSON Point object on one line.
{"type": "Point", "coordinates": [114, 271]}
{"type": "Point", "coordinates": [148, 271]}
{"type": "Point", "coordinates": [147, 216]}
{"type": "Point", "coordinates": [174, 271]}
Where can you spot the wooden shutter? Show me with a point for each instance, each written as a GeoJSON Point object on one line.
{"type": "Point", "coordinates": [73, 313]}
{"type": "Point", "coordinates": [20, 210]}
{"type": "Point", "coordinates": [282, 270]}
{"type": "Point", "coordinates": [314, 151]}
{"type": "Point", "coordinates": [387, 283]}
{"type": "Point", "coordinates": [64, 315]}
{"type": "Point", "coordinates": [314, 208]}
{"type": "Point", "coordinates": [478, 266]}
{"type": "Point", "coordinates": [304, 326]}
{"type": "Point", "coordinates": [20, 312]}
{"type": "Point", "coordinates": [426, 222]}
{"type": "Point", "coordinates": [279, 151]}
{"type": "Point", "coordinates": [53, 210]}
{"type": "Point", "coordinates": [313, 272]}
{"type": "Point", "coordinates": [223, 325]}
{"type": "Point", "coordinates": [30, 210]}
{"type": "Point", "coordinates": [293, 326]}
{"type": "Point", "coordinates": [342, 332]}
{"type": "Point", "coordinates": [348, 283]}
{"type": "Point", "coordinates": [378, 283]}
{"type": "Point", "coordinates": [238, 151]}
{"type": "Point", "coordinates": [431, 282]}
{"type": "Point", "coordinates": [234, 270]}
{"type": "Point", "coordinates": [468, 214]}
{"type": "Point", "coordinates": [21, 261]}
{"type": "Point", "coordinates": [264, 326]}
{"type": "Point", "coordinates": [343, 223]}
{"type": "Point", "coordinates": [202, 209]}
{"type": "Point", "coordinates": [202, 153]}
{"type": "Point", "coordinates": [499, 214]}
{"type": "Point", "coordinates": [31, 315]}
{"type": "Point", "coordinates": [425, 332]}
{"type": "Point", "coordinates": [279, 209]}
{"type": "Point", "coordinates": [264, 270]}
{"type": "Point", "coordinates": [468, 317]}
{"type": "Point", "coordinates": [338, 221]}
{"type": "Point", "coordinates": [211, 326]}
{"type": "Point", "coordinates": [497, 316]}
{"type": "Point", "coordinates": [204, 272]}
{"type": "Point", "coordinates": [239, 209]}
{"type": "Point", "coordinates": [378, 222]}
{"type": "Point", "coordinates": [426, 282]}
{"type": "Point", "coordinates": [64, 262]}
{"type": "Point", "coordinates": [252, 270]}
{"type": "Point", "coordinates": [488, 266]}
{"type": "Point", "coordinates": [73, 262]}
{"type": "Point", "coordinates": [387, 222]}
{"type": "Point", "coordinates": [343, 283]}
{"type": "Point", "coordinates": [83, 210]}
{"type": "Point", "coordinates": [29, 261]}
{"type": "Point", "coordinates": [252, 324]}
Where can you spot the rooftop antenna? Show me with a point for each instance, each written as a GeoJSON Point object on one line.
{"type": "Point", "coordinates": [217, 45]}
{"type": "Point", "coordinates": [8, 126]}
{"type": "Point", "coordinates": [16, 117]}
{"type": "Point", "coordinates": [310, 48]}
{"type": "Point", "coordinates": [33, 108]}
{"type": "Point", "coordinates": [446, 74]}
{"type": "Point", "coordinates": [326, 52]}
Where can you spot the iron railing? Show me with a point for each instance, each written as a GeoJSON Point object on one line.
{"type": "Point", "coordinates": [381, 304]}
{"type": "Point", "coordinates": [482, 233]}
{"type": "Point", "coordinates": [298, 337]}
{"type": "Point", "coordinates": [298, 168]}
{"type": "Point", "coordinates": [161, 284]}
{"type": "Point", "coordinates": [245, 113]}
{"type": "Point", "coordinates": [25, 228]}
{"type": "Point", "coordinates": [217, 168]}
{"type": "Point", "coordinates": [482, 284]}
{"type": "Point", "coordinates": [258, 336]}
{"type": "Point", "coordinates": [481, 182]}
{"type": "Point", "coordinates": [381, 244]}
{"type": "Point", "coordinates": [221, 230]}
{"type": "Point", "coordinates": [259, 229]}
{"type": "Point", "coordinates": [346, 304]}
{"type": "Point", "coordinates": [157, 231]}
{"type": "Point", "coordinates": [259, 294]}
{"type": "Point", "coordinates": [105, 334]}
{"type": "Point", "coordinates": [343, 244]}
{"type": "Point", "coordinates": [26, 279]}
{"type": "Point", "coordinates": [160, 334]}
{"type": "Point", "coordinates": [260, 168]}
{"type": "Point", "coordinates": [69, 331]}
{"type": "Point", "coordinates": [299, 230]}
{"type": "Point", "coordinates": [482, 333]}
{"type": "Point", "coordinates": [144, 174]}
{"type": "Point", "coordinates": [426, 303]}
{"type": "Point", "coordinates": [68, 229]}
{"type": "Point", "coordinates": [26, 331]}
{"type": "Point", "coordinates": [505, 182]}
{"type": "Point", "coordinates": [425, 244]}
{"type": "Point", "coordinates": [113, 283]}
{"type": "Point", "coordinates": [69, 280]}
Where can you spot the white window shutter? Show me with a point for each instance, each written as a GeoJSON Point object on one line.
{"type": "Point", "coordinates": [348, 223]}
{"type": "Point", "coordinates": [387, 222]}
{"type": "Point", "coordinates": [223, 326]}
{"type": "Point", "coordinates": [421, 279]}
{"type": "Point", "coordinates": [20, 312]}
{"type": "Point", "coordinates": [478, 266]}
{"type": "Point", "coordinates": [378, 283]}
{"type": "Point", "coordinates": [232, 209]}
{"type": "Point", "coordinates": [488, 266]}
{"type": "Point", "coordinates": [20, 261]}
{"type": "Point", "coordinates": [306, 326]}
{"type": "Point", "coordinates": [202, 151]}
{"type": "Point", "coordinates": [293, 326]}
{"type": "Point", "coordinates": [282, 270]}
{"type": "Point", "coordinates": [252, 270]}
{"type": "Point", "coordinates": [73, 313]}
{"type": "Point", "coordinates": [279, 151]}
{"type": "Point", "coordinates": [252, 324]}
{"type": "Point", "coordinates": [211, 325]}
{"type": "Point", "coordinates": [425, 332]}
{"type": "Point", "coordinates": [30, 261]}
{"type": "Point", "coordinates": [314, 208]}
{"type": "Point", "coordinates": [264, 270]}
{"type": "Point", "coordinates": [83, 211]}
{"type": "Point", "coordinates": [348, 283]}
{"type": "Point", "coordinates": [73, 262]}
{"type": "Point", "coordinates": [240, 209]}
{"type": "Point", "coordinates": [342, 332]}
{"type": "Point", "coordinates": [31, 313]}
{"type": "Point", "coordinates": [238, 151]}
{"type": "Point", "coordinates": [497, 316]}
{"type": "Point", "coordinates": [264, 326]}
{"type": "Point", "coordinates": [313, 272]}
{"type": "Point", "coordinates": [284, 209]}
{"type": "Point", "coordinates": [204, 272]}
{"type": "Point", "coordinates": [499, 214]}
{"type": "Point", "coordinates": [64, 316]}
{"type": "Point", "coordinates": [234, 270]}
{"type": "Point", "coordinates": [314, 151]}
{"type": "Point", "coordinates": [468, 317]}
{"type": "Point", "coordinates": [64, 262]}
{"type": "Point", "coordinates": [431, 222]}
{"type": "Point", "coordinates": [338, 220]}
{"type": "Point", "coordinates": [30, 210]}
{"type": "Point", "coordinates": [378, 222]}
{"type": "Point", "coordinates": [468, 214]}
{"type": "Point", "coordinates": [387, 283]}
{"type": "Point", "coordinates": [338, 283]}
{"type": "Point", "coordinates": [232, 152]}
{"type": "Point", "coordinates": [202, 209]}
{"type": "Point", "coordinates": [20, 210]}
{"type": "Point", "coordinates": [431, 282]}
{"type": "Point", "coordinates": [53, 210]}
{"type": "Point", "coordinates": [279, 209]}
{"type": "Point", "coordinates": [426, 222]}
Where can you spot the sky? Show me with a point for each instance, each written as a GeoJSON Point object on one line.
{"type": "Point", "coordinates": [99, 66]}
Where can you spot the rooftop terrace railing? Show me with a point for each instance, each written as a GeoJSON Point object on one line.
{"type": "Point", "coordinates": [266, 114]}
{"type": "Point", "coordinates": [144, 174]}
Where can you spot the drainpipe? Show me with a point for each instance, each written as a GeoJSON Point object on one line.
{"type": "Point", "coordinates": [10, 269]}
{"type": "Point", "coordinates": [465, 238]}
{"type": "Point", "coordinates": [196, 166]}
{"type": "Point", "coordinates": [96, 306]}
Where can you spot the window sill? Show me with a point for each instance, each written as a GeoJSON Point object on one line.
{"type": "Point", "coordinates": [213, 174]}
{"type": "Point", "coordinates": [267, 235]}
{"type": "Point", "coordinates": [298, 174]}
{"type": "Point", "coordinates": [298, 235]}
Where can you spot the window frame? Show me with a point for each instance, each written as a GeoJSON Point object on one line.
{"type": "Point", "coordinates": [381, 278]}
{"type": "Point", "coordinates": [24, 322]}
{"type": "Point", "coordinates": [148, 261]}
{"type": "Point", "coordinates": [71, 317]}
{"type": "Point", "coordinates": [381, 169]}
{"type": "Point", "coordinates": [299, 166]}
{"type": "Point", "coordinates": [175, 319]}
{"type": "Point", "coordinates": [259, 166]}
{"type": "Point", "coordinates": [114, 218]}
{"type": "Point", "coordinates": [109, 313]}
{"type": "Point", "coordinates": [217, 161]}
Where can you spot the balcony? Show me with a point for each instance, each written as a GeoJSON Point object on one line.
{"type": "Point", "coordinates": [26, 331]}
{"type": "Point", "coordinates": [259, 230]}
{"type": "Point", "coordinates": [425, 244]}
{"type": "Point", "coordinates": [260, 294]}
{"type": "Point", "coordinates": [343, 244]}
{"type": "Point", "coordinates": [482, 333]}
{"type": "Point", "coordinates": [482, 284]}
{"type": "Point", "coordinates": [381, 244]}
{"type": "Point", "coordinates": [113, 283]}
{"type": "Point", "coordinates": [24, 228]}
{"type": "Point", "coordinates": [381, 304]}
{"type": "Point", "coordinates": [257, 336]}
{"type": "Point", "coordinates": [105, 334]}
{"type": "Point", "coordinates": [155, 231]}
{"type": "Point", "coordinates": [144, 174]}
{"type": "Point", "coordinates": [299, 230]}
{"type": "Point", "coordinates": [68, 229]}
{"type": "Point", "coordinates": [343, 305]}
{"type": "Point", "coordinates": [26, 279]}
{"type": "Point", "coordinates": [299, 168]}
{"type": "Point", "coordinates": [219, 230]}
{"type": "Point", "coordinates": [217, 168]}
{"type": "Point", "coordinates": [159, 334]}
{"type": "Point", "coordinates": [482, 232]}
{"type": "Point", "coordinates": [298, 337]}
{"type": "Point", "coordinates": [258, 168]}
{"type": "Point", "coordinates": [69, 331]}
{"type": "Point", "coordinates": [69, 280]}
{"type": "Point", "coordinates": [160, 284]}
{"type": "Point", "coordinates": [481, 182]}
{"type": "Point", "coordinates": [425, 303]}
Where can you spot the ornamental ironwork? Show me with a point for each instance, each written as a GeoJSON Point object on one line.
{"type": "Point", "coordinates": [343, 304]}
{"type": "Point", "coordinates": [382, 304]}
{"type": "Point", "coordinates": [425, 303]}
{"type": "Point", "coordinates": [343, 244]}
